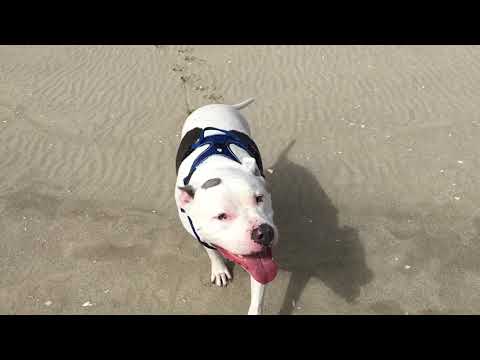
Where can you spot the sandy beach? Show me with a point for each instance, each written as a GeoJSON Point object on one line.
{"type": "Point", "coordinates": [373, 155]}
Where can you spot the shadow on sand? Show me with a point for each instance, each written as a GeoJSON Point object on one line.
{"type": "Point", "coordinates": [312, 244]}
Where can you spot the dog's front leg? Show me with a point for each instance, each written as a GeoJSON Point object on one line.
{"type": "Point", "coordinates": [257, 292]}
{"type": "Point", "coordinates": [220, 274]}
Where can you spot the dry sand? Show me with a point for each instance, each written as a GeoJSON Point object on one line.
{"type": "Point", "coordinates": [375, 157]}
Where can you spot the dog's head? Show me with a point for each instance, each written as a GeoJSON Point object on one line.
{"type": "Point", "coordinates": [233, 211]}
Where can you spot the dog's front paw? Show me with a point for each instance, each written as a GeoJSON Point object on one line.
{"type": "Point", "coordinates": [220, 274]}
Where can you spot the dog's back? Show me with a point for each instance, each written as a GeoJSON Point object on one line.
{"type": "Point", "coordinates": [227, 117]}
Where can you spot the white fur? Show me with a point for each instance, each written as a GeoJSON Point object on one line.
{"type": "Point", "coordinates": [257, 292]}
{"type": "Point", "coordinates": [226, 117]}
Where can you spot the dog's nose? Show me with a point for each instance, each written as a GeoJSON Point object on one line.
{"type": "Point", "coordinates": [263, 234]}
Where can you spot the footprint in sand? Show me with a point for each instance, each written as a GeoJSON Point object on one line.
{"type": "Point", "coordinates": [193, 81]}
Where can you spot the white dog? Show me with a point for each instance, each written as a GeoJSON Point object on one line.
{"type": "Point", "coordinates": [221, 196]}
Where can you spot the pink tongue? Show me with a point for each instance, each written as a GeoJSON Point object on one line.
{"type": "Point", "coordinates": [262, 268]}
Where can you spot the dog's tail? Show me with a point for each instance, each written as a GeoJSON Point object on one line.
{"type": "Point", "coordinates": [243, 104]}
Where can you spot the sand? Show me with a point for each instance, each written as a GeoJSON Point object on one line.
{"type": "Point", "coordinates": [373, 154]}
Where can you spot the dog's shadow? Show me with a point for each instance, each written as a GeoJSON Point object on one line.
{"type": "Point", "coordinates": [312, 244]}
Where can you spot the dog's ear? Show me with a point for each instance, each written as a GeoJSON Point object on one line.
{"type": "Point", "coordinates": [251, 165]}
{"type": "Point", "coordinates": [187, 193]}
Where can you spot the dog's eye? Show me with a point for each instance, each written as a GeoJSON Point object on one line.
{"type": "Point", "coordinates": [222, 216]}
{"type": "Point", "coordinates": [259, 199]}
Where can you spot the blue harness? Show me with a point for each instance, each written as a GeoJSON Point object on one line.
{"type": "Point", "coordinates": [218, 144]}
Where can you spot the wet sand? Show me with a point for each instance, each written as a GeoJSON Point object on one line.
{"type": "Point", "coordinates": [374, 152]}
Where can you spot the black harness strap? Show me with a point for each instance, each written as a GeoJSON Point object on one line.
{"type": "Point", "coordinates": [195, 138]}
{"type": "Point", "coordinates": [196, 235]}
